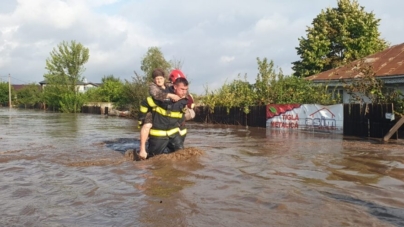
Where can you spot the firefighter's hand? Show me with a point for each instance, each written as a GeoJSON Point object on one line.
{"type": "Point", "coordinates": [142, 155]}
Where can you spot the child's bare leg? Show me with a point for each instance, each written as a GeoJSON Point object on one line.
{"type": "Point", "coordinates": [144, 134]}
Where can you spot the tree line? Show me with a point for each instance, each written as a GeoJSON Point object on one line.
{"type": "Point", "coordinates": [337, 36]}
{"type": "Point", "coordinates": [65, 67]}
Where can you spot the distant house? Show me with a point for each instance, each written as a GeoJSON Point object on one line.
{"type": "Point", "coordinates": [17, 87]}
{"type": "Point", "coordinates": [82, 86]}
{"type": "Point", "coordinates": [388, 66]}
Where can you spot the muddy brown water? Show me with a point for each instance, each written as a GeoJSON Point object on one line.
{"type": "Point", "coordinates": [70, 170]}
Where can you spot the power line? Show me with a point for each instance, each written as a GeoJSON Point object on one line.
{"type": "Point", "coordinates": [20, 80]}
{"type": "Point", "coordinates": [25, 82]}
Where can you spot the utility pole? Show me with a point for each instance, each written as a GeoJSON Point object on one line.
{"type": "Point", "coordinates": [9, 91]}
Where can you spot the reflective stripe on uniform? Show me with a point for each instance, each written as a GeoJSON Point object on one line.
{"type": "Point", "coordinates": [183, 132]}
{"type": "Point", "coordinates": [168, 113]}
{"type": "Point", "coordinates": [157, 132]}
{"type": "Point", "coordinates": [151, 102]}
{"type": "Point", "coordinates": [143, 109]}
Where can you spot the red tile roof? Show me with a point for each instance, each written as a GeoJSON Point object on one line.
{"type": "Point", "coordinates": [20, 86]}
{"type": "Point", "coordinates": [387, 63]}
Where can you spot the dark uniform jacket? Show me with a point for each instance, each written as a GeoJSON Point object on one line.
{"type": "Point", "coordinates": [168, 116]}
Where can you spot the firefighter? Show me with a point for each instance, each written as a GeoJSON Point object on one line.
{"type": "Point", "coordinates": [167, 118]}
{"type": "Point", "coordinates": [189, 112]}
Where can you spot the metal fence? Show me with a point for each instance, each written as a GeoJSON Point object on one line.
{"type": "Point", "coordinates": [360, 120]}
{"type": "Point", "coordinates": [233, 116]}
{"type": "Point", "coordinates": [369, 120]}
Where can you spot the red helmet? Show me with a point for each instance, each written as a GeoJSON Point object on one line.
{"type": "Point", "coordinates": [175, 74]}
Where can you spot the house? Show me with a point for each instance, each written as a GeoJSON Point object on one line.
{"type": "Point", "coordinates": [388, 66]}
{"type": "Point", "coordinates": [82, 86]}
{"type": "Point", "coordinates": [18, 87]}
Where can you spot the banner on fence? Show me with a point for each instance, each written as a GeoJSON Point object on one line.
{"type": "Point", "coordinates": [309, 117]}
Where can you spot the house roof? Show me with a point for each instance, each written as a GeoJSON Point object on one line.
{"type": "Point", "coordinates": [18, 86]}
{"type": "Point", "coordinates": [386, 64]}
{"type": "Point", "coordinates": [21, 86]}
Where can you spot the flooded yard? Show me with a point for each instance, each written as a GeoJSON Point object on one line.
{"type": "Point", "coordinates": [70, 170]}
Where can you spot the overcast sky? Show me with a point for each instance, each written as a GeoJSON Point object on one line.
{"type": "Point", "coordinates": [215, 40]}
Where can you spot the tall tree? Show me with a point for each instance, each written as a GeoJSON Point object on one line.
{"type": "Point", "coordinates": [65, 67]}
{"type": "Point", "coordinates": [153, 59]}
{"type": "Point", "coordinates": [266, 75]}
{"type": "Point", "coordinates": [338, 36]}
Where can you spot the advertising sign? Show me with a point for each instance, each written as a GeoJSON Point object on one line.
{"type": "Point", "coordinates": [309, 117]}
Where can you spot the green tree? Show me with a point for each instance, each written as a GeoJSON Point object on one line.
{"type": "Point", "coordinates": [338, 36]}
{"type": "Point", "coordinates": [153, 59]}
{"type": "Point", "coordinates": [290, 89]}
{"type": "Point", "coordinates": [134, 92]}
{"type": "Point", "coordinates": [244, 91]}
{"type": "Point", "coordinates": [71, 102]}
{"type": "Point", "coordinates": [238, 93]}
{"type": "Point", "coordinates": [65, 67]}
{"type": "Point", "coordinates": [270, 87]}
{"type": "Point", "coordinates": [265, 77]}
{"type": "Point", "coordinates": [93, 95]}
{"type": "Point", "coordinates": [210, 99]}
{"type": "Point", "coordinates": [111, 89]}
{"type": "Point", "coordinates": [29, 95]}
{"type": "Point", "coordinates": [367, 86]}
{"type": "Point", "coordinates": [4, 93]}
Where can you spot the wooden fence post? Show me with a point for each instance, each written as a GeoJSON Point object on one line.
{"type": "Point", "coordinates": [394, 129]}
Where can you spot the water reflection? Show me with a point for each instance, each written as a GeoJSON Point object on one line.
{"type": "Point", "coordinates": [390, 214]}
{"type": "Point", "coordinates": [64, 125]}
{"type": "Point", "coordinates": [70, 170]}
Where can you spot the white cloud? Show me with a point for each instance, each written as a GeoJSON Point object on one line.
{"type": "Point", "coordinates": [227, 59]}
{"type": "Point", "coordinates": [55, 13]}
{"type": "Point", "coordinates": [97, 3]}
{"type": "Point", "coordinates": [272, 23]}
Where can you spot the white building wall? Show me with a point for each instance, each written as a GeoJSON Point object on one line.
{"type": "Point", "coordinates": [347, 98]}
{"type": "Point", "coordinates": [83, 88]}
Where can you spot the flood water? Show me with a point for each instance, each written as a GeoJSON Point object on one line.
{"type": "Point", "coordinates": [70, 170]}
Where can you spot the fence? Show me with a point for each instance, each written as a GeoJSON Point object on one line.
{"type": "Point", "coordinates": [236, 116]}
{"type": "Point", "coordinates": [91, 109]}
{"type": "Point", "coordinates": [369, 120]}
{"type": "Point", "coordinates": [360, 120]}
